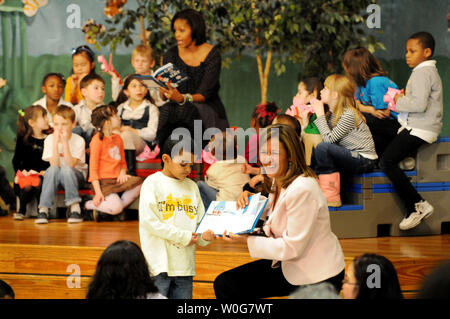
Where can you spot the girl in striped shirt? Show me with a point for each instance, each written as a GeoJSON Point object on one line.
{"type": "Point", "coordinates": [347, 142]}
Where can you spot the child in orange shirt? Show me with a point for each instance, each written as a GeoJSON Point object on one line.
{"type": "Point", "coordinates": [107, 167]}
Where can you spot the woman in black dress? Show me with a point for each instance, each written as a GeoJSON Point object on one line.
{"type": "Point", "coordinates": [198, 97]}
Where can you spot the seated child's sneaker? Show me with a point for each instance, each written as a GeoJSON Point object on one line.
{"type": "Point", "coordinates": [74, 217]}
{"type": "Point", "coordinates": [407, 164]}
{"type": "Point", "coordinates": [42, 218]}
{"type": "Point", "coordinates": [18, 216]}
{"type": "Point", "coordinates": [147, 154]}
{"type": "Point", "coordinates": [423, 210]}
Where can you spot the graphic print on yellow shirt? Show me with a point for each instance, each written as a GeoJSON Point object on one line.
{"type": "Point", "coordinates": [182, 204]}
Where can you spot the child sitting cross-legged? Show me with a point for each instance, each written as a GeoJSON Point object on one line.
{"type": "Point", "coordinates": [108, 168]}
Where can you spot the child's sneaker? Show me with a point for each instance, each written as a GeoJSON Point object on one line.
{"type": "Point", "coordinates": [147, 153]}
{"type": "Point", "coordinates": [18, 216]}
{"type": "Point", "coordinates": [423, 210]}
{"type": "Point", "coordinates": [74, 217]}
{"type": "Point", "coordinates": [42, 218]}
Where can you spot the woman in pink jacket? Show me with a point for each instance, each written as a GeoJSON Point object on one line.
{"type": "Point", "coordinates": [299, 247]}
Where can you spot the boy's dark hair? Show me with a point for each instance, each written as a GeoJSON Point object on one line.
{"type": "Point", "coordinates": [88, 79]}
{"type": "Point", "coordinates": [436, 284]}
{"type": "Point", "coordinates": [66, 112]}
{"type": "Point", "coordinates": [173, 143]}
{"type": "Point", "coordinates": [313, 84]}
{"type": "Point", "coordinates": [49, 75]}
{"type": "Point", "coordinates": [196, 23]}
{"type": "Point", "coordinates": [264, 114]}
{"type": "Point", "coordinates": [426, 40]}
{"type": "Point", "coordinates": [286, 119]}
{"type": "Point", "coordinates": [100, 115]}
{"type": "Point", "coordinates": [122, 273]}
{"type": "Point", "coordinates": [6, 290]}
{"type": "Point", "coordinates": [389, 284]}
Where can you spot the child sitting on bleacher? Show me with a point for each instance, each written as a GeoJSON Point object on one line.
{"type": "Point", "coordinates": [224, 179]}
{"type": "Point", "coordinates": [308, 89]}
{"type": "Point", "coordinates": [347, 142]}
{"type": "Point", "coordinates": [66, 153]}
{"type": "Point", "coordinates": [53, 89]}
{"type": "Point", "coordinates": [108, 168]}
{"type": "Point", "coordinates": [139, 119]}
{"type": "Point", "coordinates": [92, 88]}
{"type": "Point", "coordinates": [32, 129]}
{"type": "Point", "coordinates": [372, 84]}
{"type": "Point", "coordinates": [420, 116]}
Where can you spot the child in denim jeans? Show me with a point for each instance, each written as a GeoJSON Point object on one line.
{"type": "Point", "coordinates": [66, 153]}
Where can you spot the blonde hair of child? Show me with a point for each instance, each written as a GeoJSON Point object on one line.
{"type": "Point", "coordinates": [345, 88]}
{"type": "Point", "coordinates": [144, 51]}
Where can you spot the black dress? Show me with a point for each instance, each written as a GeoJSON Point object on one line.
{"type": "Point", "coordinates": [203, 79]}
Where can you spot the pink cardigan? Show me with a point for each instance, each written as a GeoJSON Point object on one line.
{"type": "Point", "coordinates": [299, 235]}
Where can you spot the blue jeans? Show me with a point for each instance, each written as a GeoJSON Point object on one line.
{"type": "Point", "coordinates": [332, 158]}
{"type": "Point", "coordinates": [70, 178]}
{"type": "Point", "coordinates": [207, 193]}
{"type": "Point", "coordinates": [177, 287]}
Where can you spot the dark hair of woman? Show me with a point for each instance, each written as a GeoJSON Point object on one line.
{"type": "Point", "coordinates": [196, 23]}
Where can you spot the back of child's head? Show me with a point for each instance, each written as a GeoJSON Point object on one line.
{"type": "Point", "coordinates": [313, 85]}
{"type": "Point", "coordinates": [425, 39]}
{"type": "Point", "coordinates": [224, 146]}
{"type": "Point", "coordinates": [286, 119]}
{"type": "Point", "coordinates": [6, 292]}
{"type": "Point", "coordinates": [264, 114]}
{"type": "Point", "coordinates": [53, 74]}
{"type": "Point", "coordinates": [145, 51]}
{"type": "Point", "coordinates": [86, 52]}
{"type": "Point", "coordinates": [100, 115]}
{"type": "Point", "coordinates": [122, 273]}
{"type": "Point", "coordinates": [361, 65]}
{"type": "Point", "coordinates": [389, 287]}
{"type": "Point", "coordinates": [176, 145]}
{"type": "Point", "coordinates": [66, 112]}
{"type": "Point", "coordinates": [346, 89]}
{"type": "Point", "coordinates": [32, 112]}
{"type": "Point", "coordinates": [88, 79]}
{"type": "Point", "coordinates": [122, 95]}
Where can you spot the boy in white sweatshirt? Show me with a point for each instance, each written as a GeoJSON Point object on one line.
{"type": "Point", "coordinates": [170, 209]}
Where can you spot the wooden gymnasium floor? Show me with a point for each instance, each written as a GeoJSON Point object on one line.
{"type": "Point", "coordinates": [37, 260]}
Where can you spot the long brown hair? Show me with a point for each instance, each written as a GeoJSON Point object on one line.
{"type": "Point", "coordinates": [24, 130]}
{"type": "Point", "coordinates": [346, 91]}
{"type": "Point", "coordinates": [361, 65]}
{"type": "Point", "coordinates": [100, 115]}
{"type": "Point", "coordinates": [294, 150]}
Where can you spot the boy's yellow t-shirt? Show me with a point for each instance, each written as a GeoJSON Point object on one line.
{"type": "Point", "coordinates": [68, 93]}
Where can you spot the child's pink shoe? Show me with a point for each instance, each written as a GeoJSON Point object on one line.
{"type": "Point", "coordinates": [148, 154]}
{"type": "Point", "coordinates": [208, 157]}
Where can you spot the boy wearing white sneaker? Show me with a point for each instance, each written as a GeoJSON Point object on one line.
{"type": "Point", "coordinates": [66, 153]}
{"type": "Point", "coordinates": [420, 116]}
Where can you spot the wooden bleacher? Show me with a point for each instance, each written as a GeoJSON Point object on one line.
{"type": "Point", "coordinates": [34, 259]}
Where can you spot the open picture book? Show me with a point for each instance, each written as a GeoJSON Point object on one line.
{"type": "Point", "coordinates": [223, 216]}
{"type": "Point", "coordinates": [168, 73]}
